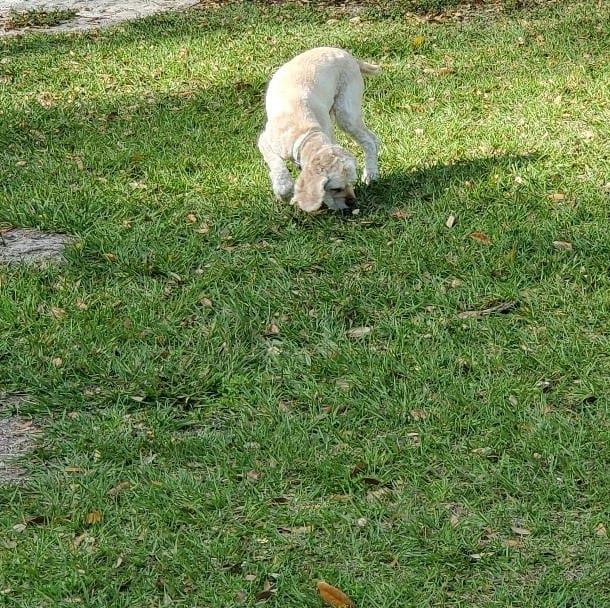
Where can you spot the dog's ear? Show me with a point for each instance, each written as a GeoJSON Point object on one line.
{"type": "Point", "coordinates": [309, 190]}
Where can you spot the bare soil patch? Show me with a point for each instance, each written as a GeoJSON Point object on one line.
{"type": "Point", "coordinates": [16, 439]}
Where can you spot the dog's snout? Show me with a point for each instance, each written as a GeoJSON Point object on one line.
{"type": "Point", "coordinates": [350, 200]}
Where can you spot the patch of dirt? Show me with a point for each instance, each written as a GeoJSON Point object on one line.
{"type": "Point", "coordinates": [16, 439]}
{"type": "Point", "coordinates": [28, 246]}
{"type": "Point", "coordinates": [89, 14]}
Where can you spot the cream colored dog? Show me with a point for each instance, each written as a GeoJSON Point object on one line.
{"type": "Point", "coordinates": [302, 96]}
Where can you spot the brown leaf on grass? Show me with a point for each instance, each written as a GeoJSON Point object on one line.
{"type": "Point", "coordinates": [511, 543]}
{"type": "Point", "coordinates": [94, 517]}
{"type": "Point", "coordinates": [418, 41]}
{"type": "Point", "coordinates": [480, 237]}
{"type": "Point", "coordinates": [280, 500]}
{"type": "Point", "coordinates": [600, 530]}
{"type": "Point", "coordinates": [58, 313]}
{"type": "Point", "coordinates": [359, 332]}
{"type": "Point", "coordinates": [503, 307]}
{"type": "Point", "coordinates": [418, 414]}
{"type": "Point", "coordinates": [266, 593]}
{"type": "Point", "coordinates": [123, 485]}
{"type": "Point", "coordinates": [74, 470]}
{"type": "Point", "coordinates": [272, 330]}
{"type": "Point", "coordinates": [557, 197]}
{"type": "Point", "coordinates": [241, 597]}
{"type": "Point", "coordinates": [563, 245]}
{"type": "Point", "coordinates": [295, 529]}
{"type": "Point", "coordinates": [253, 476]}
{"type": "Point", "coordinates": [520, 531]}
{"type": "Point", "coordinates": [333, 596]}
{"type": "Point", "coordinates": [359, 467]}
{"type": "Point", "coordinates": [57, 361]}
{"type": "Point", "coordinates": [191, 218]}
{"type": "Point", "coordinates": [451, 220]}
{"type": "Point", "coordinates": [399, 214]}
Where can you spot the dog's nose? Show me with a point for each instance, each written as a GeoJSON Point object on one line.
{"type": "Point", "coordinates": [350, 201]}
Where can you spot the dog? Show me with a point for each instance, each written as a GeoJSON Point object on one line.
{"type": "Point", "coordinates": [301, 98]}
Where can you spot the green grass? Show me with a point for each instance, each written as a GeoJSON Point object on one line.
{"type": "Point", "coordinates": [37, 18]}
{"type": "Point", "coordinates": [117, 137]}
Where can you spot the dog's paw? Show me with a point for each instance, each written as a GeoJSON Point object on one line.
{"type": "Point", "coordinates": [283, 190]}
{"type": "Point", "coordinates": [369, 176]}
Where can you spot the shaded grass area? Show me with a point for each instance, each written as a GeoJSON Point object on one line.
{"type": "Point", "coordinates": [211, 447]}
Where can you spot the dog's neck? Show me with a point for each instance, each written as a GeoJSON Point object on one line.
{"type": "Point", "coordinates": [303, 140]}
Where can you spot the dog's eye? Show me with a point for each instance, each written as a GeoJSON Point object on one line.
{"type": "Point", "coordinates": [336, 190]}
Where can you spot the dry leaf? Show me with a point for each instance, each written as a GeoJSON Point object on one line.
{"type": "Point", "coordinates": [563, 245]}
{"type": "Point", "coordinates": [557, 197]}
{"type": "Point", "coordinates": [79, 539]}
{"type": "Point", "coordinates": [393, 563]}
{"type": "Point", "coordinates": [333, 596]}
{"type": "Point", "coordinates": [57, 361]}
{"type": "Point", "coordinates": [280, 500]}
{"type": "Point", "coordinates": [359, 332]}
{"type": "Point", "coordinates": [399, 214]}
{"type": "Point", "coordinates": [520, 531]}
{"type": "Point", "coordinates": [94, 517]}
{"type": "Point", "coordinates": [74, 470]}
{"type": "Point", "coordinates": [272, 330]}
{"type": "Point", "coordinates": [191, 218]}
{"type": "Point", "coordinates": [600, 530]}
{"type": "Point", "coordinates": [361, 522]}
{"type": "Point", "coordinates": [418, 414]}
{"type": "Point", "coordinates": [19, 527]}
{"type": "Point", "coordinates": [241, 597]}
{"type": "Point", "coordinates": [480, 237]}
{"type": "Point", "coordinates": [110, 257]}
{"type": "Point", "coordinates": [250, 577]}
{"type": "Point", "coordinates": [503, 307]}
{"type": "Point", "coordinates": [203, 229]}
{"type": "Point", "coordinates": [451, 220]}
{"type": "Point", "coordinates": [444, 71]}
{"type": "Point", "coordinates": [418, 41]}
{"type": "Point", "coordinates": [454, 520]}
{"type": "Point", "coordinates": [512, 542]}
{"type": "Point", "coordinates": [253, 476]}
{"type": "Point", "coordinates": [295, 529]}
{"type": "Point", "coordinates": [205, 302]}
{"type": "Point", "coordinates": [58, 313]}
{"type": "Point", "coordinates": [123, 485]}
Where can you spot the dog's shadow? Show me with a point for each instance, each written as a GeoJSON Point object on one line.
{"type": "Point", "coordinates": [398, 189]}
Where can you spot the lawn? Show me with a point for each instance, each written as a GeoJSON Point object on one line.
{"type": "Point", "coordinates": [239, 400]}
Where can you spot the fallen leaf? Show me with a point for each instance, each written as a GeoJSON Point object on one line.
{"type": "Point", "coordinates": [58, 313]}
{"type": "Point", "coordinates": [57, 361]}
{"type": "Point", "coordinates": [399, 214]}
{"type": "Point", "coordinates": [250, 578]}
{"type": "Point", "coordinates": [563, 245]}
{"type": "Point", "coordinates": [295, 529]}
{"type": "Point", "coordinates": [333, 596]}
{"type": "Point", "coordinates": [203, 229]}
{"type": "Point", "coordinates": [478, 556]}
{"type": "Point", "coordinates": [253, 476]}
{"type": "Point", "coordinates": [119, 561]}
{"type": "Point", "coordinates": [393, 563]}
{"type": "Point", "coordinates": [600, 530]}
{"type": "Point", "coordinates": [360, 467]}
{"type": "Point", "coordinates": [206, 302]}
{"type": "Point", "coordinates": [191, 218]}
{"type": "Point", "coordinates": [520, 531]}
{"type": "Point", "coordinates": [79, 539]}
{"type": "Point", "coordinates": [375, 494]}
{"type": "Point", "coordinates": [123, 485]}
{"type": "Point", "coordinates": [19, 527]}
{"type": "Point", "coordinates": [110, 257]}
{"type": "Point", "coordinates": [74, 470]}
{"type": "Point", "coordinates": [418, 41]}
{"type": "Point", "coordinates": [361, 522]}
{"type": "Point", "coordinates": [451, 220]}
{"type": "Point", "coordinates": [557, 197]}
{"type": "Point", "coordinates": [480, 237]}
{"type": "Point", "coordinates": [94, 517]}
{"type": "Point", "coordinates": [241, 597]}
{"type": "Point", "coordinates": [454, 520]}
{"type": "Point", "coordinates": [501, 308]}
{"type": "Point", "coordinates": [444, 71]}
{"type": "Point", "coordinates": [512, 542]}
{"type": "Point", "coordinates": [359, 332]}
{"type": "Point", "coordinates": [418, 414]}
{"type": "Point", "coordinates": [272, 330]}
{"type": "Point", "coordinates": [280, 500]}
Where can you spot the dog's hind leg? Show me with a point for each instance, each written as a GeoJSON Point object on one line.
{"type": "Point", "coordinates": [348, 114]}
{"type": "Point", "coordinates": [281, 180]}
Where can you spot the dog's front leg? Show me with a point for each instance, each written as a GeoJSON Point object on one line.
{"type": "Point", "coordinates": [281, 180]}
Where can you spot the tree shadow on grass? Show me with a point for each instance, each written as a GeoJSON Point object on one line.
{"type": "Point", "coordinates": [400, 189]}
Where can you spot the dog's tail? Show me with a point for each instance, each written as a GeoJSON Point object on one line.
{"type": "Point", "coordinates": [368, 69]}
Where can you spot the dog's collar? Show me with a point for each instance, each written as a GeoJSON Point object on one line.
{"type": "Point", "coordinates": [298, 144]}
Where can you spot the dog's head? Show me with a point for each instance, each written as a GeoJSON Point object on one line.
{"type": "Point", "coordinates": [326, 178]}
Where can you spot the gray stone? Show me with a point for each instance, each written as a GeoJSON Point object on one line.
{"type": "Point", "coordinates": [28, 246]}
{"type": "Point", "coordinates": [16, 439]}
